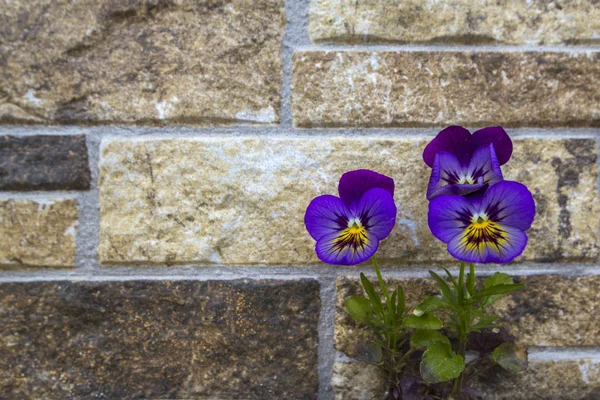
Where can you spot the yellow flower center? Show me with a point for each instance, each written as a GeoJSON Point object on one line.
{"type": "Point", "coordinates": [482, 231]}
{"type": "Point", "coordinates": [466, 180]}
{"type": "Point", "coordinates": [355, 235]}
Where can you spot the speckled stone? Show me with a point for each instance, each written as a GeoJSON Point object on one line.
{"type": "Point", "coordinates": [357, 381]}
{"type": "Point", "coordinates": [553, 310]}
{"type": "Point", "coordinates": [37, 233]}
{"type": "Point", "coordinates": [44, 162]}
{"type": "Point", "coordinates": [240, 201]}
{"type": "Point", "coordinates": [577, 379]}
{"type": "Point", "coordinates": [456, 21]}
{"type": "Point", "coordinates": [141, 61]}
{"type": "Point", "coordinates": [414, 88]}
{"type": "Point", "coordinates": [562, 174]}
{"type": "Point", "coordinates": [549, 380]}
{"type": "Point", "coordinates": [159, 339]}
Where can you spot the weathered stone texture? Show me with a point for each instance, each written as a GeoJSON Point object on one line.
{"type": "Point", "coordinates": [563, 176]}
{"type": "Point", "coordinates": [455, 21]}
{"type": "Point", "coordinates": [37, 233]}
{"type": "Point", "coordinates": [384, 89]}
{"type": "Point", "coordinates": [159, 339]}
{"type": "Point", "coordinates": [549, 380]}
{"type": "Point", "coordinates": [44, 163]}
{"type": "Point", "coordinates": [242, 201]}
{"type": "Point", "coordinates": [141, 61]}
{"type": "Point", "coordinates": [552, 310]}
{"type": "Point", "coordinates": [357, 381]}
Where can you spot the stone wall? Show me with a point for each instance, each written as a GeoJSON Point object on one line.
{"type": "Point", "coordinates": [157, 156]}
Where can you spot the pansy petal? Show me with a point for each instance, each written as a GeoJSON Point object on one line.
{"type": "Point", "coordinates": [516, 241]}
{"type": "Point", "coordinates": [501, 250]}
{"type": "Point", "coordinates": [445, 175]}
{"type": "Point", "coordinates": [509, 204]}
{"type": "Point", "coordinates": [377, 211]}
{"type": "Point", "coordinates": [456, 190]}
{"type": "Point", "coordinates": [326, 214]}
{"type": "Point", "coordinates": [454, 139]}
{"type": "Point", "coordinates": [484, 164]}
{"type": "Point", "coordinates": [334, 248]}
{"type": "Point", "coordinates": [497, 136]}
{"type": "Point", "coordinates": [354, 184]}
{"type": "Point", "coordinates": [448, 216]}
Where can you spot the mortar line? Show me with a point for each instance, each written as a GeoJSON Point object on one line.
{"type": "Point", "coordinates": [149, 132]}
{"type": "Point", "coordinates": [446, 47]}
{"type": "Point", "coordinates": [326, 337]}
{"type": "Point", "coordinates": [535, 353]}
{"type": "Point", "coordinates": [191, 272]}
{"type": "Point", "coordinates": [296, 34]}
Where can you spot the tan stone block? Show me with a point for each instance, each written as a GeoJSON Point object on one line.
{"type": "Point", "coordinates": [555, 380]}
{"type": "Point", "coordinates": [241, 201]}
{"type": "Point", "coordinates": [37, 233]}
{"type": "Point", "coordinates": [455, 21]}
{"type": "Point", "coordinates": [414, 88]}
{"type": "Point", "coordinates": [141, 61]}
{"type": "Point", "coordinates": [357, 381]}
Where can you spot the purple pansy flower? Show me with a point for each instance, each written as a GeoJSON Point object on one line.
{"type": "Point", "coordinates": [463, 163]}
{"type": "Point", "coordinates": [348, 229]}
{"type": "Point", "coordinates": [484, 227]}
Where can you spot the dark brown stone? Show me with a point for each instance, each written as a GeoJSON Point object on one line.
{"type": "Point", "coordinates": [159, 339]}
{"type": "Point", "coordinates": [44, 163]}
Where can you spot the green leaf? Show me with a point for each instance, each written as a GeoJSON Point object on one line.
{"type": "Point", "coordinates": [400, 301]}
{"type": "Point", "coordinates": [369, 353]}
{"type": "Point", "coordinates": [359, 308]}
{"type": "Point", "coordinates": [498, 278]}
{"type": "Point", "coordinates": [430, 304]}
{"type": "Point", "coordinates": [501, 289]}
{"type": "Point", "coordinates": [425, 321]}
{"type": "Point", "coordinates": [511, 357]}
{"type": "Point", "coordinates": [373, 296]}
{"type": "Point", "coordinates": [450, 277]}
{"type": "Point", "coordinates": [439, 364]}
{"type": "Point", "coordinates": [423, 338]}
{"type": "Point", "coordinates": [444, 288]}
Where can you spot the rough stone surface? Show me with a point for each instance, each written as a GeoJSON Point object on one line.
{"type": "Point", "coordinates": [141, 61]}
{"type": "Point", "coordinates": [549, 380]}
{"type": "Point", "coordinates": [37, 233]}
{"type": "Point", "coordinates": [383, 89]}
{"type": "Point", "coordinates": [553, 310]}
{"type": "Point", "coordinates": [357, 381]}
{"type": "Point", "coordinates": [159, 339]}
{"type": "Point", "coordinates": [241, 201]}
{"type": "Point", "coordinates": [456, 21]}
{"type": "Point", "coordinates": [563, 176]}
{"type": "Point", "coordinates": [44, 163]}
